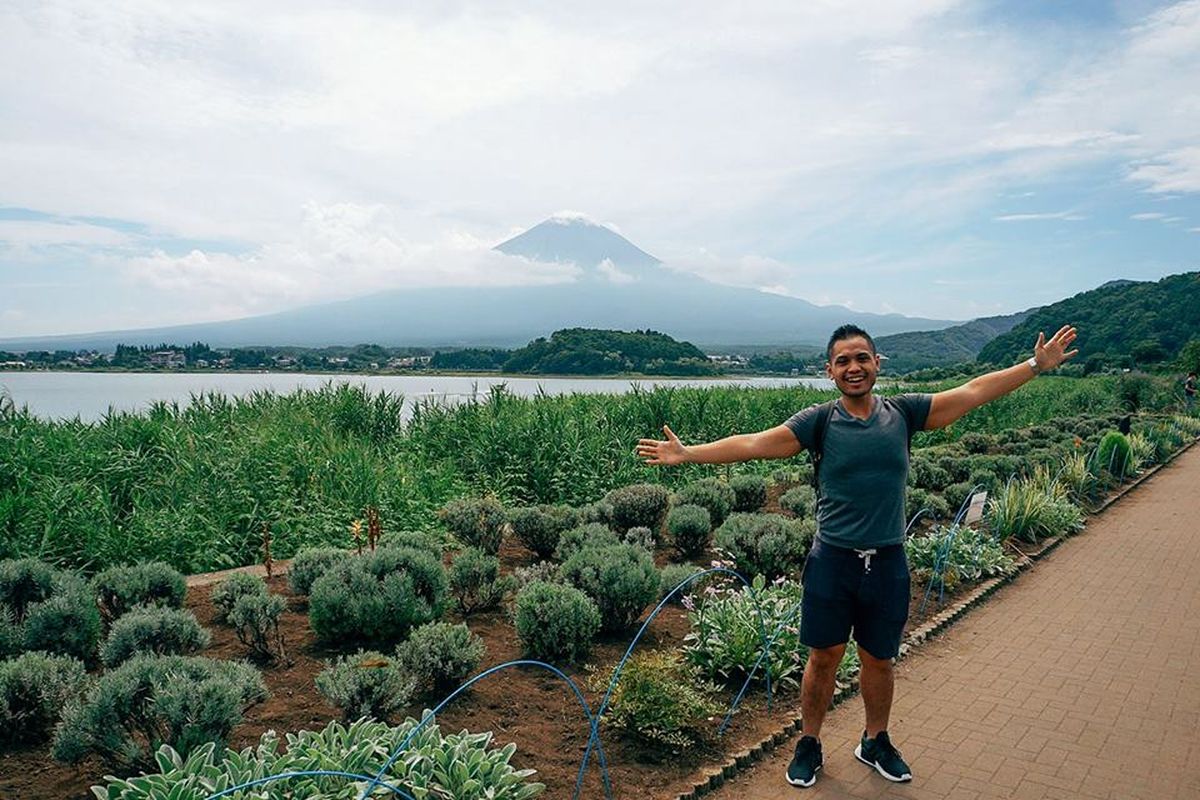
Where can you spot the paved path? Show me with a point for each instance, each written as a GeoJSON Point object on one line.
{"type": "Point", "coordinates": [1081, 679]}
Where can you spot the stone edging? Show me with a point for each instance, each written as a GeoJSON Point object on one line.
{"type": "Point", "coordinates": [715, 777]}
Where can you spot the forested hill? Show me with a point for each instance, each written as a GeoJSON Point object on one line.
{"type": "Point", "coordinates": [1122, 323]}
{"type": "Point", "coordinates": [588, 351]}
{"type": "Point", "coordinates": [920, 349]}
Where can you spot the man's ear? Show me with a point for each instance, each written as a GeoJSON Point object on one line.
{"type": "Point", "coordinates": [829, 370]}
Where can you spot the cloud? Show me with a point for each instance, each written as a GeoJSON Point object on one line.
{"type": "Point", "coordinates": [41, 233]}
{"type": "Point", "coordinates": [1147, 215]}
{"type": "Point", "coordinates": [1177, 171]}
{"type": "Point", "coordinates": [613, 273]}
{"type": "Point", "coordinates": [1068, 216]}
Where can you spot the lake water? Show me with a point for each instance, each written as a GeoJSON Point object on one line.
{"type": "Point", "coordinates": [90, 395]}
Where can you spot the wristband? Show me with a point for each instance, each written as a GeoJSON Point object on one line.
{"type": "Point", "coordinates": [1033, 365]}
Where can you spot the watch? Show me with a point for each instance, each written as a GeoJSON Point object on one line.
{"type": "Point", "coordinates": [1033, 365]}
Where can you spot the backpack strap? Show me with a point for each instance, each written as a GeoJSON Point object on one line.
{"type": "Point", "coordinates": [817, 451]}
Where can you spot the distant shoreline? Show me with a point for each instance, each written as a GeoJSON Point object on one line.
{"type": "Point", "coordinates": [410, 374]}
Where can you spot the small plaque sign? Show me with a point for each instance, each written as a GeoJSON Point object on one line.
{"type": "Point", "coordinates": [975, 509]}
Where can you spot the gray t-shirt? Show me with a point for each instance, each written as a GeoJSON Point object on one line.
{"type": "Point", "coordinates": [863, 469]}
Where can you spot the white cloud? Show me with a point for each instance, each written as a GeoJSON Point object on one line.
{"type": "Point", "coordinates": [1177, 171]}
{"type": "Point", "coordinates": [1068, 216]}
{"type": "Point", "coordinates": [613, 273]}
{"type": "Point", "coordinates": [1147, 215]}
{"type": "Point", "coordinates": [39, 233]}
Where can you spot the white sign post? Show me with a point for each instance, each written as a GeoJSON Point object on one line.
{"type": "Point", "coordinates": [975, 509]}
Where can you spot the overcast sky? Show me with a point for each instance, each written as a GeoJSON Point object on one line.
{"type": "Point", "coordinates": [166, 162]}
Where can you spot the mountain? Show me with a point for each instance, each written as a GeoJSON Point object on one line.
{"type": "Point", "coordinates": [622, 288]}
{"type": "Point", "coordinates": [921, 349]}
{"type": "Point", "coordinates": [1121, 323]}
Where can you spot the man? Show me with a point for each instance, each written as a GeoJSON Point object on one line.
{"type": "Point", "coordinates": [856, 577]}
{"type": "Point", "coordinates": [1189, 391]}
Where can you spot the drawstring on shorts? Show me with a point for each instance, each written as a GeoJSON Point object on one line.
{"type": "Point", "coordinates": [865, 555]}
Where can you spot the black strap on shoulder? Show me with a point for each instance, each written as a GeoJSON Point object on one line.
{"type": "Point", "coordinates": [817, 451]}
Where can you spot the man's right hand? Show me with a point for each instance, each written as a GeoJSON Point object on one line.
{"type": "Point", "coordinates": [662, 453]}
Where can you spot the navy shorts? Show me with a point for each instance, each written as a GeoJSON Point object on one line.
{"type": "Point", "coordinates": [845, 593]}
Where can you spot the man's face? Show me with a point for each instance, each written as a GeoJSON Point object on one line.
{"type": "Point", "coordinates": [853, 367]}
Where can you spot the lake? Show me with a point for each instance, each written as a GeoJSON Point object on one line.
{"type": "Point", "coordinates": [90, 395]}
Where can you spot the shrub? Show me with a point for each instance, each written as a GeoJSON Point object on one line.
{"type": "Point", "coordinates": [620, 578]}
{"type": "Point", "coordinates": [728, 626]}
{"type": "Point", "coordinates": [24, 582]}
{"type": "Point", "coordinates": [640, 537]}
{"type": "Point", "coordinates": [670, 576]}
{"type": "Point", "coordinates": [918, 500]}
{"type": "Point", "coordinates": [367, 684]}
{"type": "Point", "coordinates": [476, 521]}
{"type": "Point", "coordinates": [34, 688]}
{"type": "Point", "coordinates": [662, 701]}
{"type": "Point", "coordinates": [799, 501]}
{"type": "Point", "coordinates": [418, 540]}
{"type": "Point", "coordinates": [440, 656]}
{"type": "Point", "coordinates": [591, 534]}
{"type": "Point", "coordinates": [1025, 511]}
{"type": "Point", "coordinates": [377, 598]}
{"type": "Point", "coordinates": [1115, 456]}
{"type": "Point", "coordinates": [600, 511]}
{"type": "Point", "coordinates": [475, 581]}
{"type": "Point", "coordinates": [956, 495]}
{"type": "Point", "coordinates": [749, 492]}
{"type": "Point", "coordinates": [363, 746]}
{"type": "Point", "coordinates": [12, 636]}
{"type": "Point", "coordinates": [308, 565]}
{"type": "Point", "coordinates": [150, 630]}
{"type": "Point", "coordinates": [974, 442]}
{"type": "Point", "coordinates": [67, 623]}
{"type": "Point", "coordinates": [689, 527]}
{"type": "Point", "coordinates": [255, 619]}
{"type": "Point", "coordinates": [710, 493]}
{"type": "Point", "coordinates": [639, 505]}
{"type": "Point", "coordinates": [926, 474]}
{"type": "Point", "coordinates": [540, 527]}
{"type": "Point", "coordinates": [556, 622]}
{"type": "Point", "coordinates": [153, 700]}
{"type": "Point", "coordinates": [119, 589]}
{"type": "Point", "coordinates": [765, 544]}
{"type": "Point", "coordinates": [227, 592]}
{"type": "Point", "coordinates": [545, 571]}
{"type": "Point", "coordinates": [950, 554]}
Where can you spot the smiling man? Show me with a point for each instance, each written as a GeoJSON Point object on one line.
{"type": "Point", "coordinates": [856, 579]}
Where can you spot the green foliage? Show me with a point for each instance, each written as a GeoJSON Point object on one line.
{"type": "Point", "coordinates": [749, 491]}
{"type": "Point", "coordinates": [366, 684]}
{"type": "Point", "coordinates": [951, 554]}
{"type": "Point", "coordinates": [976, 442]}
{"type": "Point", "coordinates": [149, 630]}
{"type": "Point", "coordinates": [640, 537]}
{"type": "Point", "coordinates": [765, 544]}
{"type": "Point", "coordinates": [948, 347]}
{"type": "Point", "coordinates": [712, 494]}
{"type": "Point", "coordinates": [255, 619]}
{"type": "Point", "coordinates": [463, 766]}
{"type": "Point", "coordinates": [153, 700]}
{"type": "Point", "coordinates": [1115, 456]}
{"type": "Point", "coordinates": [661, 701]}
{"type": "Point", "coordinates": [731, 622]}
{"type": "Point", "coordinates": [540, 527]}
{"type": "Point", "coordinates": [476, 521]}
{"type": "Point", "coordinates": [377, 598]}
{"type": "Point", "coordinates": [639, 505]}
{"type": "Point", "coordinates": [545, 571]}
{"type": "Point", "coordinates": [585, 351]}
{"type": "Point", "coordinates": [475, 581]}
{"type": "Point", "coordinates": [24, 582]}
{"type": "Point", "coordinates": [599, 511]}
{"type": "Point", "coordinates": [310, 564]}
{"type": "Point", "coordinates": [555, 622]}
{"type": "Point", "coordinates": [418, 540]}
{"type": "Point", "coordinates": [799, 501]}
{"type": "Point", "coordinates": [12, 636]}
{"type": "Point", "coordinates": [34, 689]}
{"type": "Point", "coordinates": [918, 500]}
{"type": "Point", "coordinates": [1029, 512]}
{"type": "Point", "coordinates": [925, 473]}
{"type": "Point", "coordinates": [119, 589]}
{"type": "Point", "coordinates": [67, 623]}
{"type": "Point", "coordinates": [226, 593]}
{"type": "Point", "coordinates": [672, 575]}
{"type": "Point", "coordinates": [591, 534]}
{"type": "Point", "coordinates": [689, 527]}
{"type": "Point", "coordinates": [620, 578]}
{"type": "Point", "coordinates": [440, 656]}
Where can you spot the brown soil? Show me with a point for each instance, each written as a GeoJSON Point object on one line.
{"type": "Point", "coordinates": [529, 707]}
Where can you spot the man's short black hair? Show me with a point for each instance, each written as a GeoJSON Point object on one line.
{"type": "Point", "coordinates": [847, 331]}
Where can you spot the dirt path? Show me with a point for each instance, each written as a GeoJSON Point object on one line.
{"type": "Point", "coordinates": [1079, 680]}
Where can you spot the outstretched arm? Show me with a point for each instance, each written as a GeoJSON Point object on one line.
{"type": "Point", "coordinates": [777, 442]}
{"type": "Point", "coordinates": [953, 403]}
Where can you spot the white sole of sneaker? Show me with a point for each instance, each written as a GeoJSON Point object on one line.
{"type": "Point", "coordinates": [802, 784]}
{"type": "Point", "coordinates": [902, 779]}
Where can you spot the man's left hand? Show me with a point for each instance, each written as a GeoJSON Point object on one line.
{"type": "Point", "coordinates": [1052, 353]}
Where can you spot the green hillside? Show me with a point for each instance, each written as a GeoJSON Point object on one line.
{"type": "Point", "coordinates": [1120, 324]}
{"type": "Point", "coordinates": [920, 349]}
{"type": "Point", "coordinates": [586, 351]}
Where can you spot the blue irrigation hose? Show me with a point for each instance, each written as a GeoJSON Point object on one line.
{"type": "Point", "coordinates": [587, 711]}
{"type": "Point", "coordinates": [311, 773]}
{"type": "Point", "coordinates": [594, 736]}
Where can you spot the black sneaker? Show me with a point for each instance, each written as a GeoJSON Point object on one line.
{"type": "Point", "coordinates": [805, 763]}
{"type": "Point", "coordinates": [881, 754]}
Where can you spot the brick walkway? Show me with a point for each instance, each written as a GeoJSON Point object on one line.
{"type": "Point", "coordinates": [1079, 680]}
